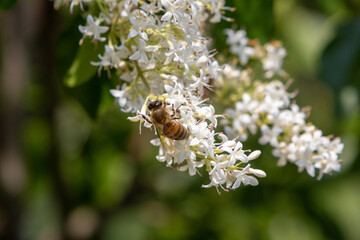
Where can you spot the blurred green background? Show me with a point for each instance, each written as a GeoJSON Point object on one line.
{"type": "Point", "coordinates": [73, 167]}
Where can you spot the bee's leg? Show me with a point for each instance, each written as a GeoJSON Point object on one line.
{"type": "Point", "coordinates": [146, 118]}
{"type": "Point", "coordinates": [175, 112]}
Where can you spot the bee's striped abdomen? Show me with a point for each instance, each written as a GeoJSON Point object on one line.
{"type": "Point", "coordinates": [175, 130]}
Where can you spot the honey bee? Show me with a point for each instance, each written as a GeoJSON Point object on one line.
{"type": "Point", "coordinates": [165, 122]}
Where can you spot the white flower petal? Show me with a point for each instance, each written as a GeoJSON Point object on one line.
{"type": "Point", "coordinates": [135, 56]}
{"type": "Point", "coordinates": [167, 16]}
{"type": "Point", "coordinates": [253, 155]}
{"type": "Point", "coordinates": [132, 34]}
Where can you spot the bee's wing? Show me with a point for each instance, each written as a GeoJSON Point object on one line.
{"type": "Point", "coordinates": [166, 143]}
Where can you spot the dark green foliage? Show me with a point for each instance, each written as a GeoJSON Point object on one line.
{"type": "Point", "coordinates": [81, 69]}
{"type": "Point", "coordinates": [341, 59]}
{"type": "Point", "coordinates": [7, 4]}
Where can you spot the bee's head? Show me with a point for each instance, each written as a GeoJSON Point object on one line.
{"type": "Point", "coordinates": [156, 104]}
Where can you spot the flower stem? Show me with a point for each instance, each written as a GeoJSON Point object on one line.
{"type": "Point", "coordinates": [102, 9]}
{"type": "Point", "coordinates": [141, 75]}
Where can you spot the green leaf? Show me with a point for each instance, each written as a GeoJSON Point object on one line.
{"type": "Point", "coordinates": [88, 94]}
{"type": "Point", "coordinates": [340, 62]}
{"type": "Point", "coordinates": [7, 4]}
{"type": "Point", "coordinates": [81, 70]}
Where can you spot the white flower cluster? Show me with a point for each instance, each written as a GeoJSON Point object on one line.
{"type": "Point", "coordinates": [157, 50]}
{"type": "Point", "coordinates": [226, 162]}
{"type": "Point", "coordinates": [239, 45]}
{"type": "Point", "coordinates": [272, 54]}
{"type": "Point", "coordinates": [155, 42]}
{"type": "Point", "coordinates": [268, 107]}
{"type": "Point", "coordinates": [272, 63]}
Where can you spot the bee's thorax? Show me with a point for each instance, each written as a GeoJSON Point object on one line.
{"type": "Point", "coordinates": [160, 116]}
